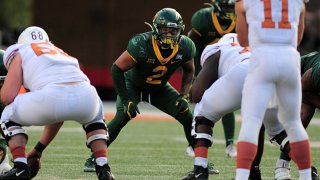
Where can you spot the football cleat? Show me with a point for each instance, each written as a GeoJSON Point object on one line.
{"type": "Point", "coordinates": [4, 160]}
{"type": "Point", "coordinates": [255, 173]}
{"type": "Point", "coordinates": [104, 172]}
{"type": "Point", "coordinates": [19, 171]}
{"type": "Point", "coordinates": [89, 165]}
{"type": "Point", "coordinates": [189, 151]}
{"type": "Point", "coordinates": [212, 169]}
{"type": "Point", "coordinates": [199, 173]}
{"type": "Point", "coordinates": [314, 173]}
{"type": "Point", "coordinates": [231, 150]}
{"type": "Point", "coordinates": [282, 170]}
{"type": "Point", "coordinates": [3, 149]}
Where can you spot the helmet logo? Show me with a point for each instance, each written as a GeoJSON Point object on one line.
{"type": "Point", "coordinates": [171, 24]}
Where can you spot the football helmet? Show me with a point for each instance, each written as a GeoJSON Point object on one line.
{"type": "Point", "coordinates": [223, 7]}
{"type": "Point", "coordinates": [33, 34]}
{"type": "Point", "coordinates": [167, 27]}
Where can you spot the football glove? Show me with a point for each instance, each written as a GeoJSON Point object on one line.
{"type": "Point", "coordinates": [183, 103]}
{"type": "Point", "coordinates": [131, 109]}
{"type": "Point", "coordinates": [34, 162]}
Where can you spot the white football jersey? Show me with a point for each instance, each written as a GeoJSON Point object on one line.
{"type": "Point", "coordinates": [44, 63]}
{"type": "Point", "coordinates": [273, 21]}
{"type": "Point", "coordinates": [231, 54]}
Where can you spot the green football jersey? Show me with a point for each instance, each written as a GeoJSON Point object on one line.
{"type": "Point", "coordinates": [312, 60]}
{"type": "Point", "coordinates": [152, 69]}
{"type": "Point", "coordinates": [210, 27]}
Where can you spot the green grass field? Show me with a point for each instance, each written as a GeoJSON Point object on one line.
{"type": "Point", "coordinates": [148, 151]}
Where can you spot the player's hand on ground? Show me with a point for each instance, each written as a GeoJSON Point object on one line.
{"type": "Point", "coordinates": [34, 153]}
{"type": "Point", "coordinates": [34, 162]}
{"type": "Point", "coordinates": [131, 109]}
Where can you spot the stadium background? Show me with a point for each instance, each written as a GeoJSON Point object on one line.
{"type": "Point", "coordinates": [96, 32]}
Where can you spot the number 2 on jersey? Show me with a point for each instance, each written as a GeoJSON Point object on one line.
{"type": "Point", "coordinates": [269, 23]}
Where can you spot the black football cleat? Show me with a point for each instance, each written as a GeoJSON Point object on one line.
{"type": "Point", "coordinates": [199, 173]}
{"type": "Point", "coordinates": [314, 173]}
{"type": "Point", "coordinates": [104, 172]}
{"type": "Point", "coordinates": [20, 171]}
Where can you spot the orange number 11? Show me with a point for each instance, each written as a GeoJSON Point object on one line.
{"type": "Point", "coordinates": [268, 23]}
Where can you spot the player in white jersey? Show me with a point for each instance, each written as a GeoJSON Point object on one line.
{"type": "Point", "coordinates": [59, 91]}
{"type": "Point", "coordinates": [217, 91]}
{"type": "Point", "coordinates": [272, 29]}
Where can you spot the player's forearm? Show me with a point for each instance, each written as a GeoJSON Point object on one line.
{"type": "Point", "coordinates": [119, 82]}
{"type": "Point", "coordinates": [50, 131]}
{"type": "Point", "coordinates": [186, 82]}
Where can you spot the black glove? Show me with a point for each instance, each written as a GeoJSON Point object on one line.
{"type": "Point", "coordinates": [182, 103]}
{"type": "Point", "coordinates": [131, 109]}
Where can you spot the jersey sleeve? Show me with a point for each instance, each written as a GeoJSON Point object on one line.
{"type": "Point", "coordinates": [208, 51]}
{"type": "Point", "coordinates": [10, 53]}
{"type": "Point", "coordinates": [136, 47]}
{"type": "Point", "coordinates": [191, 48]}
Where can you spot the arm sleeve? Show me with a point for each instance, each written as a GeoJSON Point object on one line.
{"type": "Point", "coordinates": [119, 82]}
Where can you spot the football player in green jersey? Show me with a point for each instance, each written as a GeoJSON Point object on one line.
{"type": "Point", "coordinates": [209, 24]}
{"type": "Point", "coordinates": [141, 73]}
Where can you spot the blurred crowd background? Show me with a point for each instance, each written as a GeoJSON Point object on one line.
{"type": "Point", "coordinates": [97, 32]}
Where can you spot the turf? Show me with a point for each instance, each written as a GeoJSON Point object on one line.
{"type": "Point", "coordinates": [152, 150]}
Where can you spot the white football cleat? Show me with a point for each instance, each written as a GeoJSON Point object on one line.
{"type": "Point", "coordinates": [5, 166]}
{"type": "Point", "coordinates": [189, 151]}
{"type": "Point", "coordinates": [282, 170]}
{"type": "Point", "coordinates": [231, 151]}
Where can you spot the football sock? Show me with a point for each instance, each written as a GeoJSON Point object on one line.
{"type": "Point", "coordinates": [228, 122]}
{"type": "Point", "coordinates": [101, 157]}
{"type": "Point", "coordinates": [246, 154]}
{"type": "Point", "coordinates": [101, 161]}
{"type": "Point", "coordinates": [201, 156]}
{"type": "Point", "coordinates": [300, 154]}
{"type": "Point", "coordinates": [185, 119]}
{"type": "Point", "coordinates": [305, 174]}
{"type": "Point", "coordinates": [19, 154]}
{"type": "Point", "coordinates": [242, 174]}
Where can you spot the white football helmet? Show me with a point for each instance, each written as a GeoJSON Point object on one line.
{"type": "Point", "coordinates": [229, 38]}
{"type": "Point", "coordinates": [33, 34]}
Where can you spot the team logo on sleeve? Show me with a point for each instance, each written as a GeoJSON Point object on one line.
{"type": "Point", "coordinates": [151, 61]}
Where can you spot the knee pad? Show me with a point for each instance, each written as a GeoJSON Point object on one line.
{"type": "Point", "coordinates": [282, 141]}
{"type": "Point", "coordinates": [93, 127]}
{"type": "Point", "coordinates": [202, 130]}
{"type": "Point", "coordinates": [10, 128]}
{"type": "Point", "coordinates": [96, 137]}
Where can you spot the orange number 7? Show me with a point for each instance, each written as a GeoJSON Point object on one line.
{"type": "Point", "coordinates": [268, 23]}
